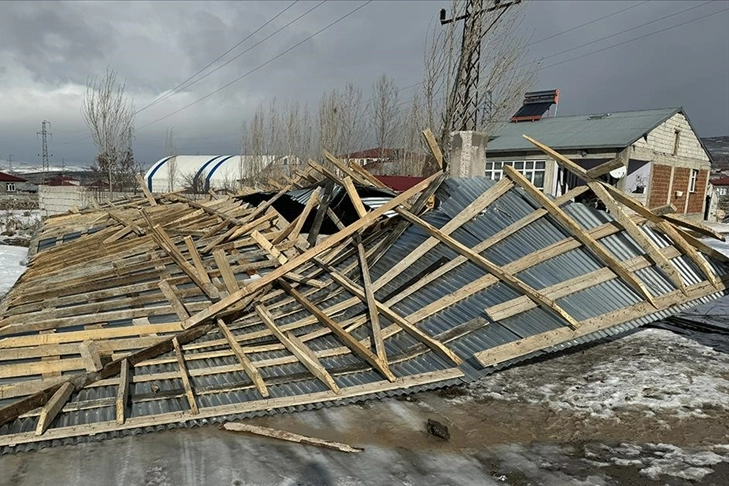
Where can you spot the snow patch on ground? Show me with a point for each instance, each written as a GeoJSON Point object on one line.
{"type": "Point", "coordinates": [651, 371]}
{"type": "Point", "coordinates": [657, 460]}
{"type": "Point", "coordinates": [12, 265]}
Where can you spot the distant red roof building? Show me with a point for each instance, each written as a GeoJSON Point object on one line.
{"type": "Point", "coordinates": [374, 153]}
{"type": "Point", "coordinates": [399, 183]}
{"type": "Point", "coordinates": [10, 178]}
{"type": "Point", "coordinates": [722, 181]}
{"type": "Point", "coordinates": [60, 180]}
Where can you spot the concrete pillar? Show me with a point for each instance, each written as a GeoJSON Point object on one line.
{"type": "Point", "coordinates": [468, 154]}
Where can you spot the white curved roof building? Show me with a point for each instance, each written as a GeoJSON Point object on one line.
{"type": "Point", "coordinates": [174, 172]}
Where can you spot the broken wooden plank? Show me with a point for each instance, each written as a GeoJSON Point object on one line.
{"type": "Point", "coordinates": [298, 349]}
{"type": "Point", "coordinates": [321, 211]}
{"type": "Point", "coordinates": [90, 352]}
{"type": "Point", "coordinates": [197, 260]}
{"type": "Point", "coordinates": [53, 406]}
{"type": "Point", "coordinates": [346, 170]}
{"type": "Point", "coordinates": [289, 436]}
{"type": "Point", "coordinates": [575, 230]}
{"type": "Point", "coordinates": [245, 362]}
{"type": "Point", "coordinates": [354, 197]}
{"type": "Point", "coordinates": [122, 393]}
{"type": "Point", "coordinates": [185, 377]}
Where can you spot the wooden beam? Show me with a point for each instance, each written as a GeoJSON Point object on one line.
{"type": "Point", "coordinates": [298, 349]}
{"type": "Point", "coordinates": [364, 173]}
{"type": "Point", "coordinates": [575, 230]}
{"type": "Point", "coordinates": [245, 362]}
{"type": "Point", "coordinates": [433, 146]}
{"type": "Point", "coordinates": [288, 436]}
{"type": "Point", "coordinates": [145, 190]}
{"type": "Point", "coordinates": [328, 243]}
{"type": "Point", "coordinates": [372, 310]}
{"type": "Point", "coordinates": [354, 197]}
{"type": "Point", "coordinates": [336, 329]}
{"type": "Point", "coordinates": [349, 172]}
{"type": "Point", "coordinates": [185, 377]}
{"type": "Point", "coordinates": [495, 270]}
{"type": "Point", "coordinates": [321, 211]}
{"type": "Point", "coordinates": [701, 229]}
{"type": "Point", "coordinates": [466, 215]}
{"type": "Point", "coordinates": [231, 284]}
{"type": "Point", "coordinates": [299, 223]}
{"type": "Point", "coordinates": [680, 239]}
{"type": "Point", "coordinates": [437, 347]}
{"type": "Point", "coordinates": [90, 352]}
{"type": "Point", "coordinates": [621, 160]}
{"type": "Point", "coordinates": [122, 393]}
{"type": "Point", "coordinates": [637, 234]}
{"type": "Point", "coordinates": [174, 301]}
{"type": "Point", "coordinates": [54, 405]}
{"type": "Point", "coordinates": [197, 260]}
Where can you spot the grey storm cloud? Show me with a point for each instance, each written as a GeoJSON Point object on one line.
{"type": "Point", "coordinates": [48, 50]}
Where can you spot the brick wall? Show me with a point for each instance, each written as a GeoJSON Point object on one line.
{"type": "Point", "coordinates": [680, 183]}
{"type": "Point", "coordinates": [659, 185]}
{"type": "Point", "coordinates": [696, 199]}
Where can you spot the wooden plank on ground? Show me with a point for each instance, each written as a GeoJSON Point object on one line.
{"type": "Point", "coordinates": [185, 377]}
{"type": "Point", "coordinates": [245, 362]}
{"type": "Point", "coordinates": [53, 406]}
{"type": "Point", "coordinates": [288, 436]}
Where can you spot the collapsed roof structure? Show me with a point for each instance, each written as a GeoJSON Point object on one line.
{"type": "Point", "coordinates": [162, 310]}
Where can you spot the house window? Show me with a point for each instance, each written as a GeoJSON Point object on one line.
{"type": "Point", "coordinates": [692, 181]}
{"type": "Point", "coordinates": [10, 186]}
{"type": "Point", "coordinates": [676, 141]}
{"type": "Point", "coordinates": [531, 169]}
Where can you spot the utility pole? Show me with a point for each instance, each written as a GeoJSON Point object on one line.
{"type": "Point", "coordinates": [44, 133]}
{"type": "Point", "coordinates": [10, 162]}
{"type": "Point", "coordinates": [463, 103]}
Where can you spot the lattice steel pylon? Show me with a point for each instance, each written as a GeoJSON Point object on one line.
{"type": "Point", "coordinates": [463, 102]}
{"type": "Point", "coordinates": [45, 125]}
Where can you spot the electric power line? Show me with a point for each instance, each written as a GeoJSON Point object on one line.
{"type": "Point", "coordinates": [260, 66]}
{"type": "Point", "coordinates": [184, 84]}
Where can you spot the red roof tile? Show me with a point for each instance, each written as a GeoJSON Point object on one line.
{"type": "Point", "coordinates": [10, 178]}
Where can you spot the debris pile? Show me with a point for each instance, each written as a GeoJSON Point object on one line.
{"type": "Point", "coordinates": [162, 310]}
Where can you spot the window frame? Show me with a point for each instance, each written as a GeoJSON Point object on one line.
{"type": "Point", "coordinates": [526, 167]}
{"type": "Point", "coordinates": [693, 179]}
{"type": "Point", "coordinates": [10, 187]}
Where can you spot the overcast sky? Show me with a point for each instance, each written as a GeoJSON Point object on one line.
{"type": "Point", "coordinates": [48, 50]}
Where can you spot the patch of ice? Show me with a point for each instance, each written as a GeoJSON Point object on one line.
{"type": "Point", "coordinates": [653, 371]}
{"type": "Point", "coordinates": [656, 460]}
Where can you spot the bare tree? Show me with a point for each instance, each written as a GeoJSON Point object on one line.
{"type": "Point", "coordinates": [194, 182]}
{"type": "Point", "coordinates": [109, 115]}
{"type": "Point", "coordinates": [413, 156]}
{"type": "Point", "coordinates": [385, 116]}
{"type": "Point", "coordinates": [504, 75]}
{"type": "Point", "coordinates": [351, 119]}
{"type": "Point", "coordinates": [328, 117]}
{"type": "Point", "coordinates": [170, 151]}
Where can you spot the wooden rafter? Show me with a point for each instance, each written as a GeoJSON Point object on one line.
{"type": "Point", "coordinates": [298, 349]}
{"type": "Point", "coordinates": [578, 233]}
{"type": "Point", "coordinates": [245, 362]}
{"type": "Point", "coordinates": [53, 406]}
{"type": "Point", "coordinates": [185, 377]}
{"type": "Point", "coordinates": [637, 234]}
{"type": "Point", "coordinates": [508, 278]}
